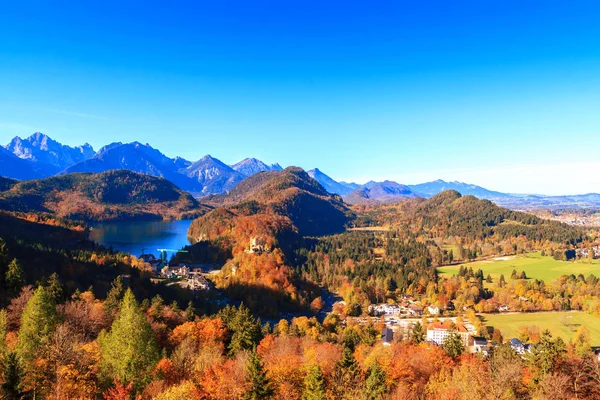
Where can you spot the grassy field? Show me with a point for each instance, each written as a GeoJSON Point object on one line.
{"type": "Point", "coordinates": [563, 324]}
{"type": "Point", "coordinates": [535, 266]}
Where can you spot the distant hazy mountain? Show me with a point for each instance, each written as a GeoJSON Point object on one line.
{"type": "Point", "coordinates": [537, 202]}
{"type": "Point", "coordinates": [380, 192]}
{"type": "Point", "coordinates": [47, 153]}
{"type": "Point", "coordinates": [213, 175]}
{"type": "Point", "coordinates": [251, 166]}
{"type": "Point", "coordinates": [430, 189]}
{"type": "Point", "coordinates": [331, 185]}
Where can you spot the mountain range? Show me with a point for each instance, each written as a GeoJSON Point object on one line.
{"type": "Point", "coordinates": [39, 156]}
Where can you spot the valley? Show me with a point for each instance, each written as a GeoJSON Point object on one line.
{"type": "Point", "coordinates": [534, 265]}
{"type": "Point", "coordinates": [277, 261]}
{"type": "Point", "coordinates": [310, 200]}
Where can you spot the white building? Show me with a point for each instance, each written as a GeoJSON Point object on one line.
{"type": "Point", "coordinates": [437, 332]}
{"type": "Point", "coordinates": [433, 310]}
{"type": "Point", "coordinates": [385, 309]}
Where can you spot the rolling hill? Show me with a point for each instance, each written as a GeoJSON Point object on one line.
{"type": "Point", "coordinates": [7, 183]}
{"type": "Point", "coordinates": [290, 193]}
{"type": "Point", "coordinates": [449, 213]}
{"type": "Point", "coordinates": [113, 195]}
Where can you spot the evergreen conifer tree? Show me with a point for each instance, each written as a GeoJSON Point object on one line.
{"type": "Point", "coordinates": [453, 345]}
{"type": "Point", "coordinates": [55, 289]}
{"type": "Point", "coordinates": [129, 350]}
{"type": "Point", "coordinates": [190, 312]}
{"type": "Point", "coordinates": [113, 299]}
{"type": "Point", "coordinates": [314, 383]}
{"type": "Point", "coordinates": [37, 325]}
{"type": "Point", "coordinates": [12, 378]}
{"type": "Point", "coordinates": [375, 384]}
{"type": "Point", "coordinates": [14, 276]}
{"type": "Point", "coordinates": [259, 386]}
{"type": "Point", "coordinates": [417, 335]}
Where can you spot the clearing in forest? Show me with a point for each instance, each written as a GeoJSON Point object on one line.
{"type": "Point", "coordinates": [534, 264]}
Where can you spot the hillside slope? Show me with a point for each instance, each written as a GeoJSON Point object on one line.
{"type": "Point", "coordinates": [330, 184]}
{"type": "Point", "coordinates": [294, 194]}
{"type": "Point", "coordinates": [449, 214]}
{"type": "Point", "coordinates": [113, 195]}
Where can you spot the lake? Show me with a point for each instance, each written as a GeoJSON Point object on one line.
{"type": "Point", "coordinates": [142, 236]}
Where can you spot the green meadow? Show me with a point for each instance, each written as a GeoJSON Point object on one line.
{"type": "Point", "coordinates": [534, 264]}
{"type": "Point", "coordinates": [560, 324]}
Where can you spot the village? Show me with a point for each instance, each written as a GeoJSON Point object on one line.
{"type": "Point", "coordinates": [396, 320]}
{"type": "Point", "coordinates": [186, 275]}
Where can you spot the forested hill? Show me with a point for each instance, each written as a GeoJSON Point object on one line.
{"type": "Point", "coordinates": [257, 228]}
{"type": "Point", "coordinates": [112, 195]}
{"type": "Point", "coordinates": [450, 214]}
{"type": "Point", "coordinates": [6, 183]}
{"type": "Point", "coordinates": [294, 194]}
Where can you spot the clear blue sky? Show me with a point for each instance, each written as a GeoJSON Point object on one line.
{"type": "Point", "coordinates": [505, 94]}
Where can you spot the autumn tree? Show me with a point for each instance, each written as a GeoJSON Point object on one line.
{"type": "Point", "coordinates": [466, 381]}
{"type": "Point", "coordinates": [314, 383]}
{"type": "Point", "coordinates": [185, 390]}
{"type": "Point", "coordinates": [259, 385]}
{"type": "Point", "coordinates": [129, 350]}
{"type": "Point", "coordinates": [581, 342]}
{"type": "Point", "coordinates": [506, 373]}
{"type": "Point", "coordinates": [3, 332]}
{"type": "Point", "coordinates": [119, 391]}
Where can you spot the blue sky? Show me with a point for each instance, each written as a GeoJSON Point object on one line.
{"type": "Point", "coordinates": [501, 94]}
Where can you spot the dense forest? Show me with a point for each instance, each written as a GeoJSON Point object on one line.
{"type": "Point", "coordinates": [81, 321]}
{"type": "Point", "coordinates": [258, 227]}
{"type": "Point", "coordinates": [65, 347]}
{"type": "Point", "coordinates": [112, 195]}
{"type": "Point", "coordinates": [294, 194]}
